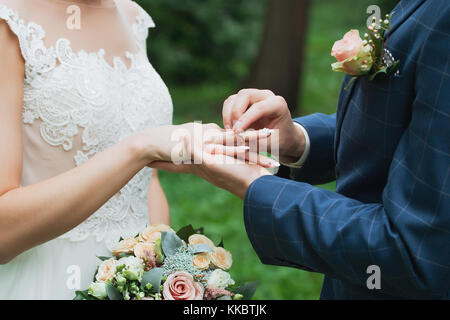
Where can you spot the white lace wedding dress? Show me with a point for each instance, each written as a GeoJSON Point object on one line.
{"type": "Point", "coordinates": [85, 89]}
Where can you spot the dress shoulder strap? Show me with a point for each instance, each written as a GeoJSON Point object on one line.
{"type": "Point", "coordinates": [31, 40]}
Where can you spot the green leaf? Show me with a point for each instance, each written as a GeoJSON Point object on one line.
{"type": "Point", "coordinates": [224, 298]}
{"type": "Point", "coordinates": [247, 290]}
{"type": "Point", "coordinates": [220, 243]}
{"type": "Point", "coordinates": [201, 248]}
{"type": "Point", "coordinates": [154, 277]}
{"type": "Point", "coordinates": [103, 258]}
{"type": "Point", "coordinates": [185, 232]}
{"type": "Point", "coordinates": [124, 255]}
{"type": "Point", "coordinates": [113, 292]}
{"type": "Point", "coordinates": [200, 230]}
{"type": "Point", "coordinates": [379, 46]}
{"type": "Point", "coordinates": [83, 295]}
{"type": "Point", "coordinates": [170, 242]}
{"type": "Point", "coordinates": [158, 251]}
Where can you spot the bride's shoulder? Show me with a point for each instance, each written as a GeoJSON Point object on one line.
{"type": "Point", "coordinates": [130, 7]}
{"type": "Point", "coordinates": [133, 10]}
{"type": "Point", "coordinates": [20, 9]}
{"type": "Point", "coordinates": [136, 14]}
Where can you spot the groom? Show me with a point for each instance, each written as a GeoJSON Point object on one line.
{"type": "Point", "coordinates": [388, 147]}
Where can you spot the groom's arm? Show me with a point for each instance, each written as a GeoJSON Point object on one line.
{"type": "Point", "coordinates": [407, 235]}
{"type": "Point", "coordinates": [319, 166]}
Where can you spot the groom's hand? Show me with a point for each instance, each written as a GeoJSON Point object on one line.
{"type": "Point", "coordinates": [258, 109]}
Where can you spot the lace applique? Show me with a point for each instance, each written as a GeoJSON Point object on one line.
{"type": "Point", "coordinates": [81, 96]}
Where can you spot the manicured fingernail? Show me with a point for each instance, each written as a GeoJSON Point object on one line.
{"type": "Point", "coordinates": [273, 164]}
{"type": "Point", "coordinates": [237, 126]}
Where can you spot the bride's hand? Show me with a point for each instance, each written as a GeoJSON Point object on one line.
{"type": "Point", "coordinates": [174, 143]}
{"type": "Point", "coordinates": [186, 143]}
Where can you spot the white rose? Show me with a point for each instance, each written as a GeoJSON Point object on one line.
{"type": "Point", "coordinates": [133, 268]}
{"type": "Point", "coordinates": [98, 290]}
{"type": "Point", "coordinates": [220, 279]}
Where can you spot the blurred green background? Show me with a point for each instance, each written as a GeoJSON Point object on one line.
{"type": "Point", "coordinates": [204, 50]}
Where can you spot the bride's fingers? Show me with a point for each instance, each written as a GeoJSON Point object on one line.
{"type": "Point", "coordinates": [230, 138]}
{"type": "Point", "coordinates": [227, 137]}
{"type": "Point", "coordinates": [242, 153]}
{"type": "Point", "coordinates": [254, 135]}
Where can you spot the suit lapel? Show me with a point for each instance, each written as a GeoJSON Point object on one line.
{"type": "Point", "coordinates": [344, 100]}
{"type": "Point", "coordinates": [402, 11]}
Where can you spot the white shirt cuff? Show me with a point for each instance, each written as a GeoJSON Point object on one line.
{"type": "Point", "coordinates": [305, 154]}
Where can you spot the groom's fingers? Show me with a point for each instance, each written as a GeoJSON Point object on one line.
{"type": "Point", "coordinates": [263, 109]}
{"type": "Point", "coordinates": [226, 112]}
{"type": "Point", "coordinates": [236, 105]}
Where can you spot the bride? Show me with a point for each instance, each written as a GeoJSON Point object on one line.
{"type": "Point", "coordinates": [83, 113]}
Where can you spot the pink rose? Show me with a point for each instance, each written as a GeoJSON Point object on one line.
{"type": "Point", "coordinates": [348, 47]}
{"type": "Point", "coordinates": [354, 56]}
{"type": "Point", "coordinates": [181, 286]}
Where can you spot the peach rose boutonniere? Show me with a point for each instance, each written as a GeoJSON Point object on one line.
{"type": "Point", "coordinates": [357, 57]}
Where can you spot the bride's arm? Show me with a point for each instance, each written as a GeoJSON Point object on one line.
{"type": "Point", "coordinates": [158, 207]}
{"type": "Point", "coordinates": [40, 212]}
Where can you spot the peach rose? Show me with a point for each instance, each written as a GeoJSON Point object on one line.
{"type": "Point", "coordinates": [153, 233]}
{"type": "Point", "coordinates": [196, 239]}
{"type": "Point", "coordinates": [106, 271]}
{"type": "Point", "coordinates": [221, 258]}
{"type": "Point", "coordinates": [144, 250]}
{"type": "Point", "coordinates": [348, 46]}
{"type": "Point", "coordinates": [181, 286]}
{"type": "Point", "coordinates": [201, 261]}
{"type": "Point", "coordinates": [352, 54]}
{"type": "Point", "coordinates": [125, 246]}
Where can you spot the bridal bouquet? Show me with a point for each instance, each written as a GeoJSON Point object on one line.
{"type": "Point", "coordinates": [161, 264]}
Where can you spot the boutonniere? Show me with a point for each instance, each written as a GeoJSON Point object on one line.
{"type": "Point", "coordinates": [368, 57]}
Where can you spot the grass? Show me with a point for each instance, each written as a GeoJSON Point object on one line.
{"type": "Point", "coordinates": [194, 201]}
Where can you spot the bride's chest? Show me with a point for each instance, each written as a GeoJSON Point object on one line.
{"type": "Point", "coordinates": [101, 103]}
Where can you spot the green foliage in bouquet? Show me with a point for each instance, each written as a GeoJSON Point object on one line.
{"type": "Point", "coordinates": [148, 267]}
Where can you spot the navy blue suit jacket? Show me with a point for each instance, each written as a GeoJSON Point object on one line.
{"type": "Point", "coordinates": [388, 147]}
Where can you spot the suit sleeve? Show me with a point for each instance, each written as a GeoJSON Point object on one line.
{"type": "Point", "coordinates": [407, 235]}
{"type": "Point", "coordinates": [319, 167]}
